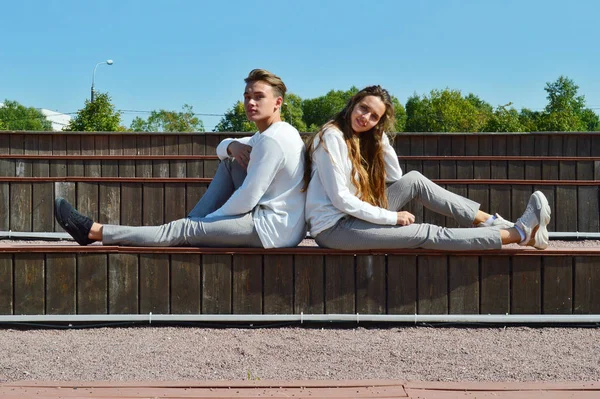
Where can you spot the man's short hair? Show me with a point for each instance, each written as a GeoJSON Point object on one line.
{"type": "Point", "coordinates": [273, 80]}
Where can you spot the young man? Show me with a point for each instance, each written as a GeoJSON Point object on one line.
{"type": "Point", "coordinates": [254, 200]}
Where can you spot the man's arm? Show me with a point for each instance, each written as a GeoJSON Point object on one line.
{"type": "Point", "coordinates": [267, 159]}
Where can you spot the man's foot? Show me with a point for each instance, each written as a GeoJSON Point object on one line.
{"type": "Point", "coordinates": [534, 220]}
{"type": "Point", "coordinates": [498, 222]}
{"type": "Point", "coordinates": [74, 223]}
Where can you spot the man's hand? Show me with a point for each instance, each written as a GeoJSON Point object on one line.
{"type": "Point", "coordinates": [241, 153]}
{"type": "Point", "coordinates": [405, 218]}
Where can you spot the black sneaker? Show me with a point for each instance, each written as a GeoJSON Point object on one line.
{"type": "Point", "coordinates": [74, 223]}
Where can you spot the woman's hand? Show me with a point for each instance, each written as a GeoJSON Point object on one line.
{"type": "Point", "coordinates": [405, 218]}
{"type": "Point", "coordinates": [241, 153]}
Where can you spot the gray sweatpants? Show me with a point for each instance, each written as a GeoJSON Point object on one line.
{"type": "Point", "coordinates": [352, 233]}
{"type": "Point", "coordinates": [195, 230]}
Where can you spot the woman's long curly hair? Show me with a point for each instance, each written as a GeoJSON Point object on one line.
{"type": "Point", "coordinates": [364, 149]}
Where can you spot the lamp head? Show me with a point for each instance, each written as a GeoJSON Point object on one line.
{"type": "Point", "coordinates": [109, 62]}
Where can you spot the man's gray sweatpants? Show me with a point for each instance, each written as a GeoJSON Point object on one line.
{"type": "Point", "coordinates": [196, 230]}
{"type": "Point", "coordinates": [352, 233]}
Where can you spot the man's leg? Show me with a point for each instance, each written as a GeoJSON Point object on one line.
{"type": "Point", "coordinates": [230, 231]}
{"type": "Point", "coordinates": [229, 177]}
{"type": "Point", "coordinates": [414, 185]}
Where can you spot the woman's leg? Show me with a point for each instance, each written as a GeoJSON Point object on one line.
{"type": "Point", "coordinates": [229, 177]}
{"type": "Point", "coordinates": [351, 233]}
{"type": "Point", "coordinates": [415, 186]}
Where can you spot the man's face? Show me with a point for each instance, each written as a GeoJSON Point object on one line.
{"type": "Point", "coordinates": [259, 101]}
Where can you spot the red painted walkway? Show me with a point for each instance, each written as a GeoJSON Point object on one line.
{"type": "Point", "coordinates": [299, 389]}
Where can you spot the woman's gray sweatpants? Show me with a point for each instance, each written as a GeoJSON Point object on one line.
{"type": "Point", "coordinates": [196, 230]}
{"type": "Point", "coordinates": [352, 233]}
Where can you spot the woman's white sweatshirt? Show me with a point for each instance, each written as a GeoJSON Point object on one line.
{"type": "Point", "coordinates": [331, 194]}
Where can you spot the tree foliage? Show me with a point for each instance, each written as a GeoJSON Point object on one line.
{"type": "Point", "coordinates": [14, 116]}
{"type": "Point", "coordinates": [292, 112]}
{"type": "Point", "coordinates": [445, 111]}
{"type": "Point", "coordinates": [169, 121]}
{"type": "Point", "coordinates": [321, 109]}
{"type": "Point", "coordinates": [566, 109]}
{"type": "Point", "coordinates": [97, 116]}
{"type": "Point", "coordinates": [235, 120]}
{"type": "Point", "coordinates": [504, 119]}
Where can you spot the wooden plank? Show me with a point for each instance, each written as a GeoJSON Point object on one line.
{"type": "Point", "coordinates": [401, 145]}
{"type": "Point", "coordinates": [154, 194]}
{"type": "Point", "coordinates": [416, 148]}
{"type": "Point", "coordinates": [339, 284]}
{"type": "Point", "coordinates": [449, 169]}
{"type": "Point", "coordinates": [463, 282]}
{"type": "Point", "coordinates": [175, 206]}
{"type": "Point", "coordinates": [87, 193]}
{"type": "Point", "coordinates": [499, 194]}
{"type": "Point", "coordinates": [58, 168]}
{"type": "Point", "coordinates": [370, 284]}
{"type": "Point", "coordinates": [543, 170]}
{"type": "Point", "coordinates": [526, 290]}
{"type": "Point", "coordinates": [74, 168]}
{"type": "Point", "coordinates": [566, 214]}
{"type": "Point", "coordinates": [61, 271]}
{"type": "Point", "coordinates": [495, 285]}
{"type": "Point", "coordinates": [42, 195]}
{"type": "Point", "coordinates": [481, 170]}
{"type": "Point", "coordinates": [550, 171]}
{"type": "Point", "coordinates": [7, 168]}
{"type": "Point", "coordinates": [123, 283]}
{"type": "Point", "coordinates": [587, 285]}
{"type": "Point", "coordinates": [210, 166]}
{"type": "Point", "coordinates": [557, 284]}
{"type": "Point", "coordinates": [431, 169]}
{"type": "Point", "coordinates": [143, 168]}
{"type": "Point", "coordinates": [131, 193]}
{"type": "Point", "coordinates": [20, 193]}
{"type": "Point", "coordinates": [195, 168]}
{"type": "Point", "coordinates": [516, 170]}
{"type": "Point", "coordinates": [247, 284]}
{"type": "Point", "coordinates": [29, 283]}
{"type": "Point", "coordinates": [432, 283]}
{"type": "Point", "coordinates": [186, 279]}
{"type": "Point", "coordinates": [278, 284]}
{"type": "Point", "coordinates": [92, 283]}
{"type": "Point", "coordinates": [110, 193]}
{"type": "Point", "coordinates": [401, 284]}
{"type": "Point", "coordinates": [309, 284]}
{"type": "Point", "coordinates": [587, 196]}
{"type": "Point", "coordinates": [154, 283]}
{"type": "Point", "coordinates": [216, 284]}
{"type": "Point", "coordinates": [6, 284]}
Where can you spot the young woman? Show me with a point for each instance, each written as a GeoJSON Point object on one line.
{"type": "Point", "coordinates": [355, 190]}
{"type": "Point", "coordinates": [254, 200]}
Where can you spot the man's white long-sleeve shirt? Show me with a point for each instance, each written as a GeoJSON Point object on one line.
{"type": "Point", "coordinates": [331, 194]}
{"type": "Point", "coordinates": [272, 187]}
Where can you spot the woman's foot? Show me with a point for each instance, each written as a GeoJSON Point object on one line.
{"type": "Point", "coordinates": [74, 223]}
{"type": "Point", "coordinates": [534, 221]}
{"type": "Point", "coordinates": [498, 222]}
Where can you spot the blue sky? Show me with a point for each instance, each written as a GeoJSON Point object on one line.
{"type": "Point", "coordinates": [168, 53]}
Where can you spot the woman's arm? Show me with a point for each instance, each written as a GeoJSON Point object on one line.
{"type": "Point", "coordinates": [393, 172]}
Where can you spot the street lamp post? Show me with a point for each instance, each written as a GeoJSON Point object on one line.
{"type": "Point", "coordinates": [108, 62]}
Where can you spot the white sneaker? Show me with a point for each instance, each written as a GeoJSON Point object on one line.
{"type": "Point", "coordinates": [499, 222]}
{"type": "Point", "coordinates": [534, 220]}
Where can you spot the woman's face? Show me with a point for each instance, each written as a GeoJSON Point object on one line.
{"type": "Point", "coordinates": [367, 113]}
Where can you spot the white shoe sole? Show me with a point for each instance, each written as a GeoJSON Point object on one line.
{"type": "Point", "coordinates": [541, 235]}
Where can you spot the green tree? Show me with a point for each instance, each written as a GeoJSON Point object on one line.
{"type": "Point", "coordinates": [445, 111]}
{"type": "Point", "coordinates": [292, 112]}
{"type": "Point", "coordinates": [319, 110]}
{"type": "Point", "coordinates": [504, 119]}
{"type": "Point", "coordinates": [565, 111]}
{"type": "Point", "coordinates": [14, 116]}
{"type": "Point", "coordinates": [97, 116]}
{"type": "Point", "coordinates": [530, 120]}
{"type": "Point", "coordinates": [169, 121]}
{"type": "Point", "coordinates": [400, 115]}
{"type": "Point", "coordinates": [235, 120]}
{"type": "Point", "coordinates": [590, 120]}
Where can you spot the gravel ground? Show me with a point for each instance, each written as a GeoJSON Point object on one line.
{"type": "Point", "coordinates": [407, 353]}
